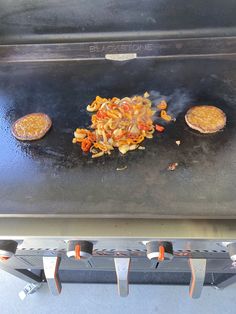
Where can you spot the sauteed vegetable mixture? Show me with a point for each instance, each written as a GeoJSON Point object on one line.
{"type": "Point", "coordinates": [120, 123]}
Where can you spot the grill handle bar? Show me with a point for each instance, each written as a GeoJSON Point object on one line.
{"type": "Point", "coordinates": [51, 266]}
{"type": "Point", "coordinates": [122, 271]}
{"type": "Point", "coordinates": [198, 271]}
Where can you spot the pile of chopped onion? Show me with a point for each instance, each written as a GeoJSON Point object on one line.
{"type": "Point", "coordinates": [122, 123]}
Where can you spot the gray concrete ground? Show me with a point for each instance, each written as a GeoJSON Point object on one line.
{"type": "Point", "coordinates": [103, 299]}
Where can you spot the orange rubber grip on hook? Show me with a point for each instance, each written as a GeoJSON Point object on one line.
{"type": "Point", "coordinates": [161, 253]}
{"type": "Point", "coordinates": [4, 258]}
{"type": "Point", "coordinates": [77, 251]}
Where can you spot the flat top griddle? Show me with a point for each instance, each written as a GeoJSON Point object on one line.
{"type": "Point", "coordinates": [51, 177]}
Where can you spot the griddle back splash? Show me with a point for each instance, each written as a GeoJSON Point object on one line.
{"type": "Point", "coordinates": [26, 21]}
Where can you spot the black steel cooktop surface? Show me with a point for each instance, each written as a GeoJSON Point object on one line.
{"type": "Point", "coordinates": [53, 177]}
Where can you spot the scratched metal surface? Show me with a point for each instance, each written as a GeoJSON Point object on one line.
{"type": "Point", "coordinates": [52, 177]}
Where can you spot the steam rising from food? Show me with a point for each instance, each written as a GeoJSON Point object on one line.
{"type": "Point", "coordinates": [177, 101]}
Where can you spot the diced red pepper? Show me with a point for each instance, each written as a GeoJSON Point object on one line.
{"type": "Point", "coordinates": [101, 114]}
{"type": "Point", "coordinates": [109, 135]}
{"type": "Point", "coordinates": [132, 136]}
{"type": "Point", "coordinates": [91, 136]}
{"type": "Point", "coordinates": [159, 128]}
{"type": "Point", "coordinates": [85, 145]}
{"type": "Point", "coordinates": [112, 106]}
{"type": "Point", "coordinates": [126, 107]}
{"type": "Point", "coordinates": [143, 127]}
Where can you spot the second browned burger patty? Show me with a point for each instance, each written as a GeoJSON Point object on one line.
{"type": "Point", "coordinates": [205, 119]}
{"type": "Point", "coordinates": [31, 127]}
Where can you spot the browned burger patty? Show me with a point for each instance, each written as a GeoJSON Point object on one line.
{"type": "Point", "coordinates": [205, 119]}
{"type": "Point", "coordinates": [31, 127]}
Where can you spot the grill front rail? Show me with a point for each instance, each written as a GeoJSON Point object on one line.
{"type": "Point", "coordinates": [197, 263]}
